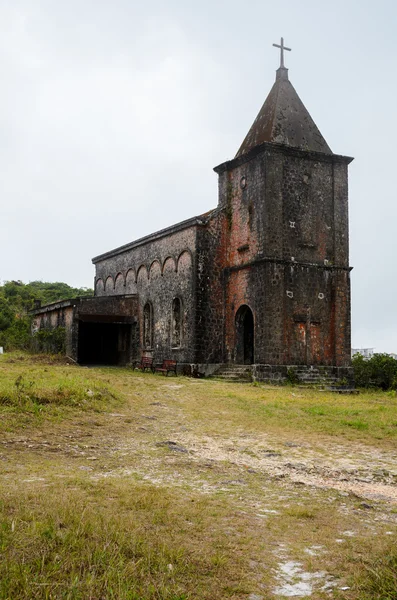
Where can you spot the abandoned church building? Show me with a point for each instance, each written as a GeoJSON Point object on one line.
{"type": "Point", "coordinates": [261, 280]}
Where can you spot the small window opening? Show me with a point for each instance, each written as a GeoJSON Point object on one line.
{"type": "Point", "coordinates": [176, 323]}
{"type": "Point", "coordinates": [148, 326]}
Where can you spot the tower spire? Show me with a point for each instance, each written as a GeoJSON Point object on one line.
{"type": "Point", "coordinates": [282, 48]}
{"type": "Point", "coordinates": [283, 118]}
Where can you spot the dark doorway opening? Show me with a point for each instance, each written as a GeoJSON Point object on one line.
{"type": "Point", "coordinates": [104, 343]}
{"type": "Point", "coordinates": [244, 336]}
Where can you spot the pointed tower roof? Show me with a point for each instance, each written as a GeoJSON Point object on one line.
{"type": "Point", "coordinates": [283, 119]}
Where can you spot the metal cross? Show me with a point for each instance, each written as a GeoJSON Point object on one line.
{"type": "Point", "coordinates": [282, 48]}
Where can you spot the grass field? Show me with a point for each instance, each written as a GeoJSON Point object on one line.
{"type": "Point", "coordinates": [120, 485]}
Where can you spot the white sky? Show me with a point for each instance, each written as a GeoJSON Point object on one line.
{"type": "Point", "coordinates": [113, 114]}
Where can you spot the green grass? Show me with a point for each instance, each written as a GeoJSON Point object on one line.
{"type": "Point", "coordinates": [91, 507]}
{"type": "Point", "coordinates": [368, 416]}
{"type": "Point", "coordinates": [35, 389]}
{"type": "Point", "coordinates": [376, 575]}
{"type": "Point", "coordinates": [134, 546]}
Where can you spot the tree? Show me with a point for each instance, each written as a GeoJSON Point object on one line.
{"type": "Point", "coordinates": [17, 299]}
{"type": "Point", "coordinates": [7, 314]}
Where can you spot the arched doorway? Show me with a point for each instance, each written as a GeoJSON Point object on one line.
{"type": "Point", "coordinates": [244, 336]}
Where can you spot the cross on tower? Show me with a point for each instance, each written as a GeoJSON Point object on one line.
{"type": "Point", "coordinates": [282, 48]}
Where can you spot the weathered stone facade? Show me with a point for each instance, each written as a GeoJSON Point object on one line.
{"type": "Point", "coordinates": [100, 330]}
{"type": "Point", "coordinates": [262, 279]}
{"type": "Point", "coordinates": [159, 269]}
{"type": "Point", "coordinates": [285, 255]}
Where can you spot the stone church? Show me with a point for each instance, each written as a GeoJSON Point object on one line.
{"type": "Point", "coordinates": [263, 279]}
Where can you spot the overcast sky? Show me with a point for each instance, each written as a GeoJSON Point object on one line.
{"type": "Point", "coordinates": [114, 112]}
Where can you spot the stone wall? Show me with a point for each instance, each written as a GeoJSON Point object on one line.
{"type": "Point", "coordinates": [277, 244]}
{"type": "Point", "coordinates": [210, 289]}
{"type": "Point", "coordinates": [158, 271]}
{"type": "Point", "coordinates": [69, 314]}
{"type": "Point", "coordinates": [283, 229]}
{"type": "Point", "coordinates": [60, 316]}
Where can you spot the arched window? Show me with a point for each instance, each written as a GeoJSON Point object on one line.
{"type": "Point", "coordinates": [176, 323]}
{"type": "Point", "coordinates": [99, 287]}
{"type": "Point", "coordinates": [244, 320]}
{"type": "Point", "coordinates": [147, 326]}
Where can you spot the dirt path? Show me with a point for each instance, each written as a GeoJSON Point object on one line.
{"type": "Point", "coordinates": [115, 438]}
{"type": "Point", "coordinates": [262, 474]}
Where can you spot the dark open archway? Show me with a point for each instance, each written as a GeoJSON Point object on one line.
{"type": "Point", "coordinates": [244, 324]}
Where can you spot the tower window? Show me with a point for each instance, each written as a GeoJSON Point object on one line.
{"type": "Point", "coordinates": [147, 326]}
{"type": "Point", "coordinates": [176, 323]}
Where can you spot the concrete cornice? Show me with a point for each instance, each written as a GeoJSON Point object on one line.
{"type": "Point", "coordinates": [295, 263]}
{"type": "Point", "coordinates": [271, 147]}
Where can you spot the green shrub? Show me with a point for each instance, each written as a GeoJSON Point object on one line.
{"type": "Point", "coordinates": [7, 315]}
{"type": "Point", "coordinates": [50, 341]}
{"type": "Point", "coordinates": [380, 371]}
{"type": "Point", "coordinates": [17, 336]}
{"type": "Point", "coordinates": [292, 377]}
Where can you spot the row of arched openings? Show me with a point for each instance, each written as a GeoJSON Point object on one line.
{"type": "Point", "coordinates": [176, 324]}
{"type": "Point", "coordinates": [126, 283]}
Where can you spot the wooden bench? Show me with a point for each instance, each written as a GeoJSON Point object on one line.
{"type": "Point", "coordinates": [146, 363]}
{"type": "Point", "coordinates": [168, 366]}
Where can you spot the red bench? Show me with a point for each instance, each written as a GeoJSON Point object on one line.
{"type": "Point", "coordinates": [146, 363]}
{"type": "Point", "coordinates": [168, 366]}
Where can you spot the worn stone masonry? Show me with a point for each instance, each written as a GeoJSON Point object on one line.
{"type": "Point", "coordinates": [263, 279]}
{"type": "Point", "coordinates": [100, 330]}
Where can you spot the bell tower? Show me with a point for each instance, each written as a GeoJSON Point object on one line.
{"type": "Point", "coordinates": [286, 256]}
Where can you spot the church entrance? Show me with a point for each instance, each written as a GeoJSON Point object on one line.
{"type": "Point", "coordinates": [244, 336]}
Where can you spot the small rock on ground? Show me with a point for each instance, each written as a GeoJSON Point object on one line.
{"type": "Point", "coordinates": [172, 446]}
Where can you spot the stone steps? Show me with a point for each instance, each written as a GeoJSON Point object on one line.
{"type": "Point", "coordinates": [235, 373]}
{"type": "Point", "coordinates": [319, 377]}
{"type": "Point", "coordinates": [314, 372]}
{"type": "Point", "coordinates": [226, 370]}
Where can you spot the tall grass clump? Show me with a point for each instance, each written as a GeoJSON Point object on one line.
{"type": "Point", "coordinates": [131, 545]}
{"type": "Point", "coordinates": [24, 393]}
{"type": "Point", "coordinates": [378, 579]}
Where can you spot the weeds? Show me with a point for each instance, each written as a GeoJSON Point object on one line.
{"type": "Point", "coordinates": [118, 550]}
{"type": "Point", "coordinates": [22, 389]}
{"type": "Point", "coordinates": [24, 394]}
{"type": "Point", "coordinates": [292, 377]}
{"type": "Point", "coordinates": [300, 512]}
{"type": "Point", "coordinates": [38, 388]}
{"type": "Point", "coordinates": [377, 578]}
